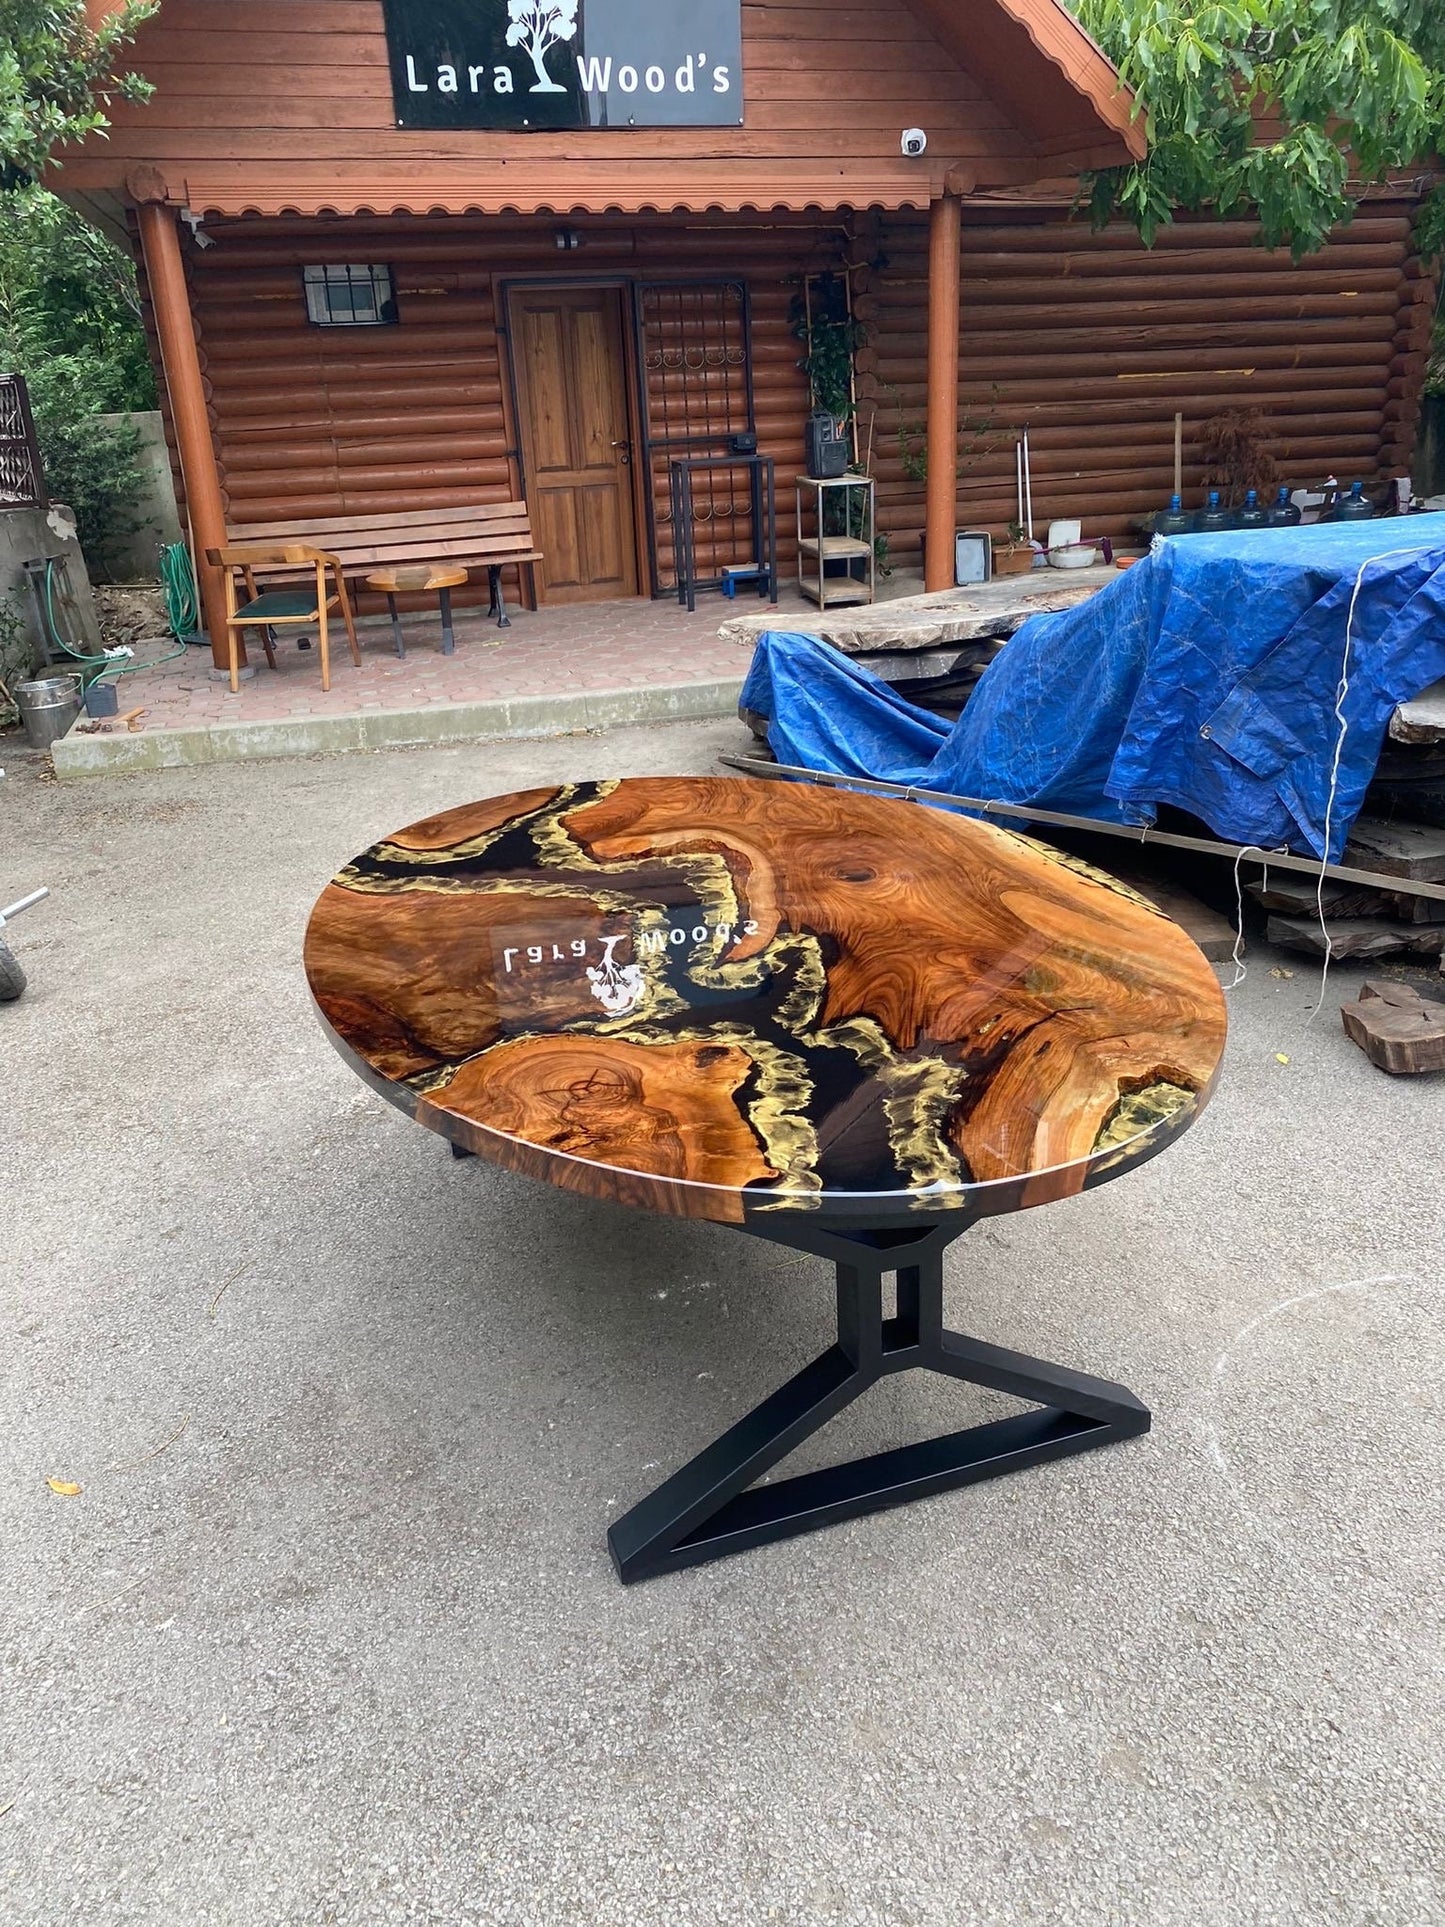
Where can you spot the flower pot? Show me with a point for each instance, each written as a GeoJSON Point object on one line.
{"type": "Point", "coordinates": [1013, 558]}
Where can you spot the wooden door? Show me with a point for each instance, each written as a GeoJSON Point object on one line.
{"type": "Point", "coordinates": [576, 439]}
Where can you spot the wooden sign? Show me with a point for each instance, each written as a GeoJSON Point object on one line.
{"type": "Point", "coordinates": [535, 64]}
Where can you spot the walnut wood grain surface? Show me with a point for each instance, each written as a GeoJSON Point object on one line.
{"type": "Point", "coordinates": [719, 997]}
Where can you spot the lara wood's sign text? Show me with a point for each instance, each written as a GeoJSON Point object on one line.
{"type": "Point", "coordinates": [533, 64]}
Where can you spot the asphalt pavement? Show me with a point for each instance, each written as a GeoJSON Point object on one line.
{"type": "Point", "coordinates": [329, 1632]}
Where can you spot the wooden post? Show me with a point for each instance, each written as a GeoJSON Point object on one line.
{"type": "Point", "coordinates": [160, 244]}
{"type": "Point", "coordinates": [943, 304]}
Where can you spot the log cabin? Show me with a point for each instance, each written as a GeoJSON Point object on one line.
{"type": "Point", "coordinates": [424, 254]}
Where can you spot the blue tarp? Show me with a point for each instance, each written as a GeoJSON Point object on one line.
{"type": "Point", "coordinates": [1206, 676]}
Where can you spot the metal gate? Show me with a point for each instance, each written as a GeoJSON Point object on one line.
{"type": "Point", "coordinates": [695, 368]}
{"type": "Point", "coordinates": [22, 481]}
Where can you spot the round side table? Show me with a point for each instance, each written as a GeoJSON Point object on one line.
{"type": "Point", "coordinates": [422, 579]}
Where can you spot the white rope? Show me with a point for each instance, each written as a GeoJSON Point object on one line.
{"type": "Point", "coordinates": [1341, 693]}
{"type": "Point", "coordinates": [1241, 968]}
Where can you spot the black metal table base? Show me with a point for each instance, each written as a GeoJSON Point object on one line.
{"type": "Point", "coordinates": [707, 1508]}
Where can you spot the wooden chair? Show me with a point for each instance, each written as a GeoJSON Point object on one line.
{"type": "Point", "coordinates": [282, 607]}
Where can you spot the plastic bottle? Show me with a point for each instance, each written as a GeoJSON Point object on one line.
{"type": "Point", "coordinates": [1282, 512]}
{"type": "Point", "coordinates": [1173, 520]}
{"type": "Point", "coordinates": [1251, 516]}
{"type": "Point", "coordinates": [1212, 517]}
{"type": "Point", "coordinates": [1355, 508]}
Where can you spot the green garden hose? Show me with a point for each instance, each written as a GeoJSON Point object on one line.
{"type": "Point", "coordinates": [111, 663]}
{"type": "Point", "coordinates": [183, 606]}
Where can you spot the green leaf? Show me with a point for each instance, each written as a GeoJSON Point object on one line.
{"type": "Point", "coordinates": [1348, 84]}
{"type": "Point", "coordinates": [57, 74]}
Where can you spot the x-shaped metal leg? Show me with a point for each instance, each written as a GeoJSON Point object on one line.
{"type": "Point", "coordinates": [711, 1507]}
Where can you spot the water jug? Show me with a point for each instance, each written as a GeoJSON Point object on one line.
{"type": "Point", "coordinates": [1212, 517]}
{"type": "Point", "coordinates": [1282, 512]}
{"type": "Point", "coordinates": [1173, 520]}
{"type": "Point", "coordinates": [1354, 508]}
{"type": "Point", "coordinates": [1251, 516]}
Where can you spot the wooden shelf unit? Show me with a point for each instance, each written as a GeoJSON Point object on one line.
{"type": "Point", "coordinates": [845, 502]}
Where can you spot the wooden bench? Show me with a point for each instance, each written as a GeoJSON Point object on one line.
{"type": "Point", "coordinates": [493, 537]}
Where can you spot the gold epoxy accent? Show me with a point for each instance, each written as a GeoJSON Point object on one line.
{"type": "Point", "coordinates": [919, 1093]}
{"type": "Point", "coordinates": [1141, 1111]}
{"type": "Point", "coordinates": [470, 846]}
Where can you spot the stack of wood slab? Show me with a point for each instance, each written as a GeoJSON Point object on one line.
{"type": "Point", "coordinates": [1399, 833]}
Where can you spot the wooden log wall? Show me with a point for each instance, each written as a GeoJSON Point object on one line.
{"type": "Point", "coordinates": [1094, 342]}
{"type": "Point", "coordinates": [1091, 340]}
{"type": "Point", "coordinates": [330, 421]}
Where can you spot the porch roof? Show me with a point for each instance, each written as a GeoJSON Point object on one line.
{"type": "Point", "coordinates": [561, 187]}
{"type": "Point", "coordinates": [1036, 59]}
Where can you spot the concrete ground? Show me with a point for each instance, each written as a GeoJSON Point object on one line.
{"type": "Point", "coordinates": [331, 1635]}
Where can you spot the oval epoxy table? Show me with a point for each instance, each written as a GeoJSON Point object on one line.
{"type": "Point", "coordinates": [847, 1023]}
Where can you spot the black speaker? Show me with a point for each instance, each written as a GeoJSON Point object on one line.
{"type": "Point", "coordinates": [826, 446]}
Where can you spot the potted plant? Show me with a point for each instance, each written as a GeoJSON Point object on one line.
{"type": "Point", "coordinates": [1015, 554]}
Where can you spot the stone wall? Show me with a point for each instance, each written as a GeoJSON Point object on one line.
{"type": "Point", "coordinates": [134, 560]}
{"type": "Point", "coordinates": [41, 535]}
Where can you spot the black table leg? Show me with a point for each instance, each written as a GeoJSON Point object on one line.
{"type": "Point", "coordinates": [679, 565]}
{"type": "Point", "coordinates": [398, 643]}
{"type": "Point", "coordinates": [707, 1508]}
{"type": "Point", "coordinates": [449, 641]}
{"type": "Point", "coordinates": [498, 606]}
{"type": "Point", "coordinates": [684, 488]}
{"type": "Point", "coordinates": [772, 532]}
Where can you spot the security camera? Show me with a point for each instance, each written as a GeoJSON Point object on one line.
{"type": "Point", "coordinates": [193, 222]}
{"type": "Point", "coordinates": [913, 141]}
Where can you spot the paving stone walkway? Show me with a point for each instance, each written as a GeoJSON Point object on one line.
{"type": "Point", "coordinates": [561, 668]}
{"type": "Point", "coordinates": [556, 651]}
{"type": "Point", "coordinates": [593, 665]}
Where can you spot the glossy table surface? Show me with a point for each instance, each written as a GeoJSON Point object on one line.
{"type": "Point", "coordinates": [726, 998]}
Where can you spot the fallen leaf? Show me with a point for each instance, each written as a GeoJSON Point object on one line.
{"type": "Point", "coordinates": [1280, 1058]}
{"type": "Point", "coordinates": [1281, 973]}
{"type": "Point", "coordinates": [67, 1488]}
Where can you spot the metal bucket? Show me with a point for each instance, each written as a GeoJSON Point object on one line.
{"type": "Point", "coordinates": [48, 707]}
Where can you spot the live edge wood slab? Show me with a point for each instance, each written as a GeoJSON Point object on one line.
{"type": "Point", "coordinates": [728, 999]}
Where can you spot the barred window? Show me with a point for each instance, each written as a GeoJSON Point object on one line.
{"type": "Point", "coordinates": [341, 296]}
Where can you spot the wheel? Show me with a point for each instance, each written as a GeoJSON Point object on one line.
{"type": "Point", "coordinates": [12, 977]}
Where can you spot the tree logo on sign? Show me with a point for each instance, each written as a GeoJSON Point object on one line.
{"type": "Point", "coordinates": [538, 25]}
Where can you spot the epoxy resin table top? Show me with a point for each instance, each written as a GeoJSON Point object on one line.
{"type": "Point", "coordinates": [722, 997]}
